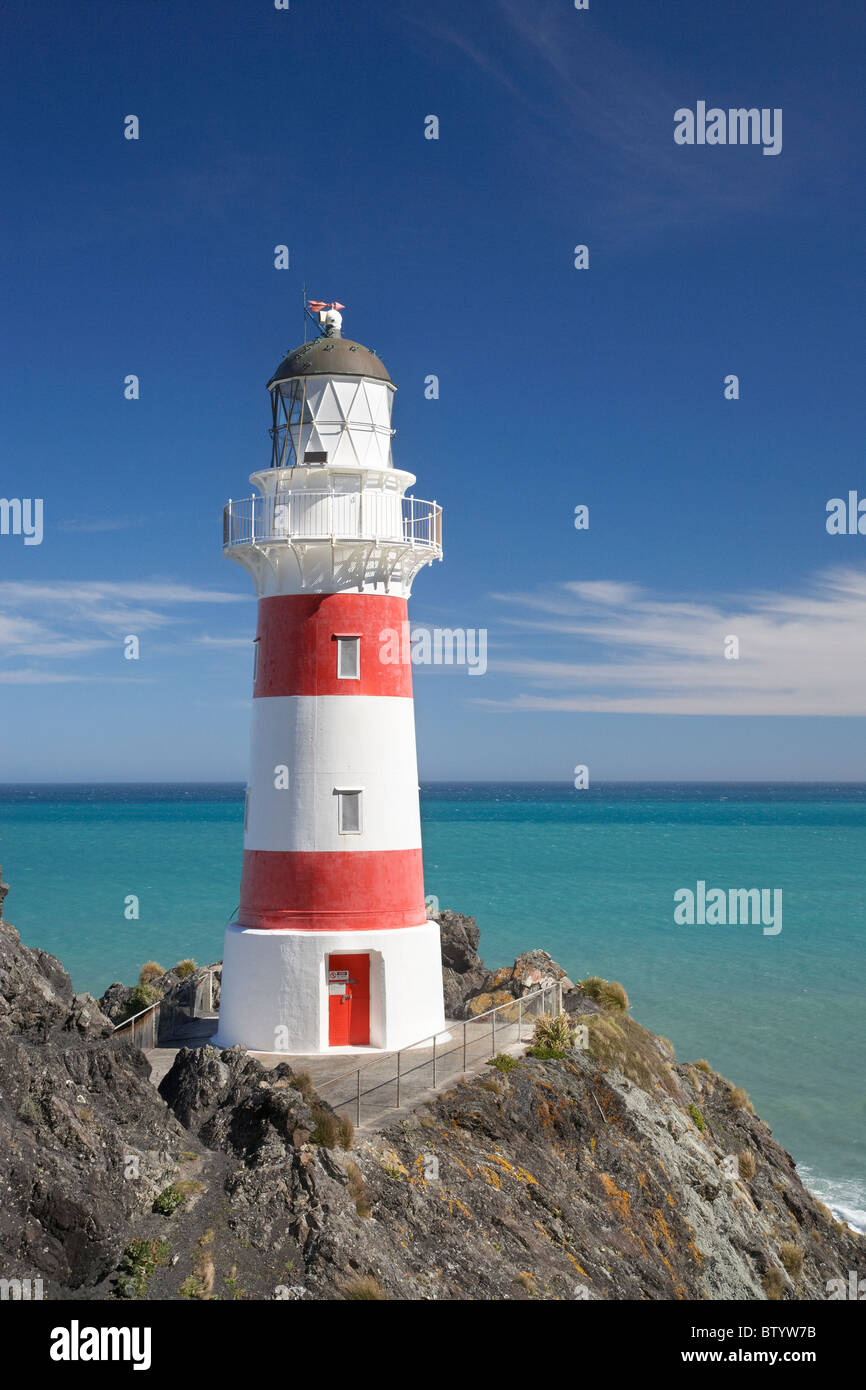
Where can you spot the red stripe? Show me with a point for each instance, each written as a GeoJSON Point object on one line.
{"type": "Point", "coordinates": [298, 650]}
{"type": "Point", "coordinates": [340, 890]}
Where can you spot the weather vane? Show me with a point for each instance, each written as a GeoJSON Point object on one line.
{"type": "Point", "coordinates": [330, 319]}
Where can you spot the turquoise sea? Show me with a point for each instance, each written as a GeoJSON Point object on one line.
{"type": "Point", "coordinates": [589, 876]}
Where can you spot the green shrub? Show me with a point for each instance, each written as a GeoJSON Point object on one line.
{"type": "Point", "coordinates": [503, 1062]}
{"type": "Point", "coordinates": [609, 993]}
{"type": "Point", "coordinates": [141, 998]}
{"type": "Point", "coordinates": [184, 968]}
{"type": "Point", "coordinates": [199, 1285]}
{"type": "Point", "coordinates": [138, 1263]}
{"type": "Point", "coordinates": [168, 1201]}
{"type": "Point", "coordinates": [697, 1117]}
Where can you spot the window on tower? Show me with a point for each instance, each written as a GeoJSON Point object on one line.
{"type": "Point", "coordinates": [348, 812]}
{"type": "Point", "coordinates": [349, 658]}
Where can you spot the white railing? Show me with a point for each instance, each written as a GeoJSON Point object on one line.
{"type": "Point", "coordinates": [433, 1060]}
{"type": "Point", "coordinates": [331, 515]}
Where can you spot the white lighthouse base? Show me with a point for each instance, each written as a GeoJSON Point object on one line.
{"type": "Point", "coordinates": [275, 992]}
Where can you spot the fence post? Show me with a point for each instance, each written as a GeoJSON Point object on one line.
{"type": "Point", "coordinates": [399, 1055]}
{"type": "Point", "coordinates": [434, 1059]}
{"type": "Point", "coordinates": [464, 1046]}
{"type": "Point", "coordinates": [520, 1020]}
{"type": "Point", "coordinates": [358, 1100]}
{"type": "Point", "coordinates": [493, 1031]}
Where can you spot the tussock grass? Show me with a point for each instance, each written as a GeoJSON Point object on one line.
{"type": "Point", "coordinates": [616, 1040]}
{"type": "Point", "coordinates": [774, 1284]}
{"type": "Point", "coordinates": [330, 1130]}
{"type": "Point", "coordinates": [357, 1189]}
{"type": "Point", "coordinates": [609, 993]}
{"type": "Point", "coordinates": [792, 1257]}
{"type": "Point", "coordinates": [552, 1036]}
{"type": "Point", "coordinates": [367, 1287]}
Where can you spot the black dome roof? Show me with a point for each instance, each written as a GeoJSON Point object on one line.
{"type": "Point", "coordinates": [330, 356]}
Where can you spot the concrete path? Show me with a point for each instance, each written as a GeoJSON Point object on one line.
{"type": "Point", "coordinates": [364, 1088]}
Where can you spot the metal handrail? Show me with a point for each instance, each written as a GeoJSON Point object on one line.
{"type": "Point", "coordinates": [127, 1022]}
{"type": "Point", "coordinates": [136, 1023]}
{"type": "Point", "coordinates": [395, 519]}
{"type": "Point", "coordinates": [210, 971]}
{"type": "Point", "coordinates": [401, 1073]}
{"type": "Point", "coordinates": [133, 1020]}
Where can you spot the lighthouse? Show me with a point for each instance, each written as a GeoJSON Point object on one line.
{"type": "Point", "coordinates": [332, 949]}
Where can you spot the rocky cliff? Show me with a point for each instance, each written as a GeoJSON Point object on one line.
{"type": "Point", "coordinates": [612, 1172]}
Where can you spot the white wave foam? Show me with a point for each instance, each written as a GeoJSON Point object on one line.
{"type": "Point", "coordinates": [846, 1197]}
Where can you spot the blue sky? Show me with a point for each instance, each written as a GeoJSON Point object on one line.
{"type": "Point", "coordinates": [453, 257]}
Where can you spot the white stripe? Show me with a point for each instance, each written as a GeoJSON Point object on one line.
{"type": "Point", "coordinates": [328, 742]}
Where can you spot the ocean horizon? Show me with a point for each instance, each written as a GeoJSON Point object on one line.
{"type": "Point", "coordinates": [589, 876]}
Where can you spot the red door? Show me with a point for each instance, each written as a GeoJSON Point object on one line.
{"type": "Point", "coordinates": [348, 1001]}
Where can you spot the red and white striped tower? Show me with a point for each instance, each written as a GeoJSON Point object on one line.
{"type": "Point", "coordinates": [332, 947]}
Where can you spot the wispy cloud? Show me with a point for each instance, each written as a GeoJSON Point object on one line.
{"type": "Point", "coordinates": [56, 620]}
{"type": "Point", "coordinates": [154, 590]}
{"type": "Point", "coordinates": [32, 676]}
{"type": "Point", "coordinates": [98, 524]}
{"type": "Point", "coordinates": [800, 654]}
{"type": "Point", "coordinates": [602, 118]}
{"type": "Point", "coordinates": [205, 640]}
